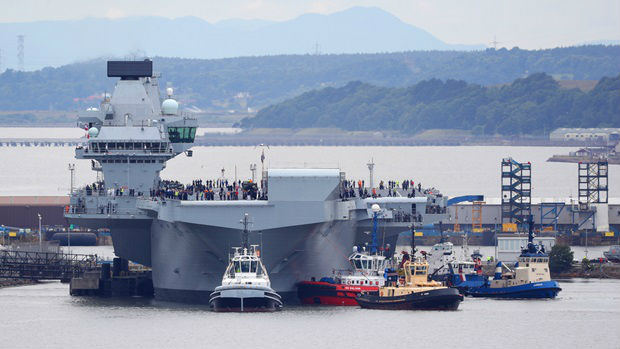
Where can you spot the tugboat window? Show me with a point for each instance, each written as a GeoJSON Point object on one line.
{"type": "Point", "coordinates": [358, 264]}
{"type": "Point", "coordinates": [245, 267]}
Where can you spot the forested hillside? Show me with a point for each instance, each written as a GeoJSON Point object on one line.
{"type": "Point", "coordinates": [532, 105]}
{"type": "Point", "coordinates": [235, 83]}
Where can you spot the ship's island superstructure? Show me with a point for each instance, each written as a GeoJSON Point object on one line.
{"type": "Point", "coordinates": [308, 217]}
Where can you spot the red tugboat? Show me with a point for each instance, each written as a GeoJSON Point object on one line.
{"type": "Point", "coordinates": [344, 286]}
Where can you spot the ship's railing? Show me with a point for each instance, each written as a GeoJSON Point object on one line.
{"type": "Point", "coordinates": [109, 192]}
{"type": "Point", "coordinates": [404, 217]}
{"type": "Point", "coordinates": [80, 207]}
{"type": "Point", "coordinates": [181, 195]}
{"type": "Point", "coordinates": [125, 152]}
{"type": "Point", "coordinates": [366, 192]}
{"type": "Point", "coordinates": [435, 209]}
{"type": "Point", "coordinates": [100, 202]}
{"type": "Point", "coordinates": [212, 196]}
{"type": "Point", "coordinates": [102, 208]}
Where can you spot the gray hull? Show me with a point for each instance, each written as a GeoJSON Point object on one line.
{"type": "Point", "coordinates": [189, 260]}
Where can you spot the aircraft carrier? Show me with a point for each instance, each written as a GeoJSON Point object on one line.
{"type": "Point", "coordinates": [305, 220]}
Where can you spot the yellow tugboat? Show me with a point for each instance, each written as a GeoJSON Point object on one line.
{"type": "Point", "coordinates": [412, 290]}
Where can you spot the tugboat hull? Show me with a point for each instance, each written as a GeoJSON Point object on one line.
{"type": "Point", "coordinates": [244, 299]}
{"type": "Point", "coordinates": [326, 293]}
{"type": "Point", "coordinates": [443, 299]}
{"type": "Point", "coordinates": [544, 289]}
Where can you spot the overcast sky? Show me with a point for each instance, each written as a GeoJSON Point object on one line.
{"type": "Point", "coordinates": [528, 24]}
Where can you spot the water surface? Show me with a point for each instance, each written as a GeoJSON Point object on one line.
{"type": "Point", "coordinates": [585, 315]}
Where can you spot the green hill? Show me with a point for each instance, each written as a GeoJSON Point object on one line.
{"type": "Point", "coordinates": [256, 82]}
{"type": "Point", "coordinates": [532, 105]}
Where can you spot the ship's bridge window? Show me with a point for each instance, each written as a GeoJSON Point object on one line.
{"type": "Point", "coordinates": [358, 263]}
{"type": "Point", "coordinates": [181, 134]}
{"type": "Point", "coordinates": [245, 266]}
{"type": "Point", "coordinates": [420, 269]}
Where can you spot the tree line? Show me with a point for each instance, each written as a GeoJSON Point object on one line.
{"type": "Point", "coordinates": [216, 84]}
{"type": "Point", "coordinates": [533, 105]}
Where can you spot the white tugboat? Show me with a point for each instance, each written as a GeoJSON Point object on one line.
{"type": "Point", "coordinates": [245, 285]}
{"type": "Point", "coordinates": [451, 266]}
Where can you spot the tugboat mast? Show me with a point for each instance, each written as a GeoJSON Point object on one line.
{"type": "Point", "coordinates": [413, 250]}
{"type": "Point", "coordinates": [375, 221]}
{"type": "Point", "coordinates": [531, 248]}
{"type": "Point", "coordinates": [244, 235]}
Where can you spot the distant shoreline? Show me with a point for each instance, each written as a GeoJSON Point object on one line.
{"type": "Point", "coordinates": [313, 137]}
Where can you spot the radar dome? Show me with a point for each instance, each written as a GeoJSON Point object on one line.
{"type": "Point", "coordinates": [93, 132]}
{"type": "Point", "coordinates": [169, 107]}
{"type": "Point", "coordinates": [375, 208]}
{"type": "Point", "coordinates": [169, 91]}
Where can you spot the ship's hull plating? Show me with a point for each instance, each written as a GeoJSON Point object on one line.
{"type": "Point", "coordinates": [244, 299]}
{"type": "Point", "coordinates": [325, 293]}
{"type": "Point", "coordinates": [545, 289]}
{"type": "Point", "coordinates": [189, 260]}
{"type": "Point", "coordinates": [441, 299]}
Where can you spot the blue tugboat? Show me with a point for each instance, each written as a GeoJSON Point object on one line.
{"type": "Point", "coordinates": [529, 279]}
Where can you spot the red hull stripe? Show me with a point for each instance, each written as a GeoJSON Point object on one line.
{"type": "Point", "coordinates": [316, 292]}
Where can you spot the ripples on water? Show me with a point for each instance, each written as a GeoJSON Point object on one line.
{"type": "Point", "coordinates": [585, 315]}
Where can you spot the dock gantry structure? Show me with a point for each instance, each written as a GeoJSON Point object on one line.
{"type": "Point", "coordinates": [516, 191]}
{"type": "Point", "coordinates": [593, 177]}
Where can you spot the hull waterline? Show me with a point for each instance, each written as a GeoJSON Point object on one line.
{"type": "Point", "coordinates": [546, 289]}
{"type": "Point", "coordinates": [443, 299]}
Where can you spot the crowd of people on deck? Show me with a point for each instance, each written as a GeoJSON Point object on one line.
{"type": "Point", "coordinates": [350, 189]}
{"type": "Point", "coordinates": [97, 188]}
{"type": "Point", "coordinates": [201, 190]}
{"type": "Point", "coordinates": [223, 189]}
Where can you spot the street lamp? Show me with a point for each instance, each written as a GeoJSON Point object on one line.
{"type": "Point", "coordinates": [72, 170]}
{"type": "Point", "coordinates": [40, 241]}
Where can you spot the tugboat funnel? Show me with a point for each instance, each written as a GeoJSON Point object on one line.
{"type": "Point", "coordinates": [498, 271]}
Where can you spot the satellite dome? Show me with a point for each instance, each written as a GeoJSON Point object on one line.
{"type": "Point", "coordinates": [93, 132]}
{"type": "Point", "coordinates": [169, 91]}
{"type": "Point", "coordinates": [375, 208]}
{"type": "Point", "coordinates": [169, 107]}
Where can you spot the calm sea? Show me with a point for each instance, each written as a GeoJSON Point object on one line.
{"type": "Point", "coordinates": [585, 315]}
{"type": "Point", "coordinates": [453, 170]}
